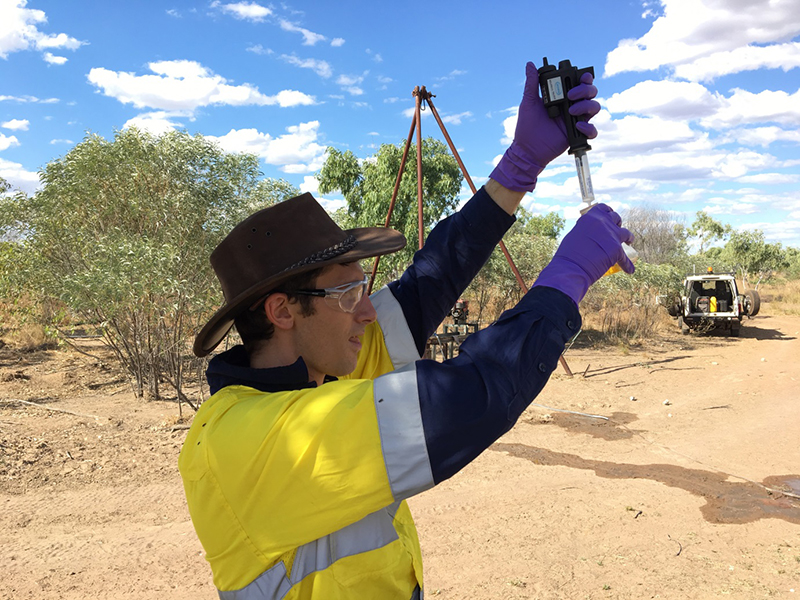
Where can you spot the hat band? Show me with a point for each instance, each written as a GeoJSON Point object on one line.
{"type": "Point", "coordinates": [328, 253]}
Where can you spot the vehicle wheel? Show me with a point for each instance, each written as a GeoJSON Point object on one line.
{"type": "Point", "coordinates": [752, 303]}
{"type": "Point", "coordinates": [684, 327]}
{"type": "Point", "coordinates": [674, 309]}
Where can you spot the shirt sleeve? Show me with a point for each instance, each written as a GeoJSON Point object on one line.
{"type": "Point", "coordinates": [453, 254]}
{"type": "Point", "coordinates": [467, 402]}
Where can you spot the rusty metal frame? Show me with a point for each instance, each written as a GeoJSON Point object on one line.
{"type": "Point", "coordinates": [423, 95]}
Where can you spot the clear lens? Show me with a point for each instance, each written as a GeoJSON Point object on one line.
{"type": "Point", "coordinates": [349, 295]}
{"type": "Point", "coordinates": [350, 299]}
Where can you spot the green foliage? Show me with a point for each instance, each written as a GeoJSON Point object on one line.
{"type": "Point", "coordinates": [648, 282]}
{"type": "Point", "coordinates": [753, 256]}
{"type": "Point", "coordinates": [792, 263]}
{"type": "Point", "coordinates": [708, 230]}
{"type": "Point", "coordinates": [548, 226]}
{"type": "Point", "coordinates": [367, 187]}
{"type": "Point", "coordinates": [121, 233]}
{"type": "Point", "coordinates": [496, 288]}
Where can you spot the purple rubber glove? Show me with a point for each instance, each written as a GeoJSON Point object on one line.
{"type": "Point", "coordinates": [590, 249]}
{"type": "Point", "coordinates": [538, 139]}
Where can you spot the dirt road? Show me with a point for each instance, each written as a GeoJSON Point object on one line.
{"type": "Point", "coordinates": [676, 495]}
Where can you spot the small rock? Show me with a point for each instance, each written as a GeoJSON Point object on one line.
{"type": "Point", "coordinates": [763, 360]}
{"type": "Point", "coordinates": [666, 403]}
{"type": "Point", "coordinates": [669, 414]}
{"type": "Point", "coordinates": [714, 363]}
{"type": "Point", "coordinates": [633, 398]}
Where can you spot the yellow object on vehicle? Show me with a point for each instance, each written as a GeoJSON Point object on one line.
{"type": "Point", "coordinates": [713, 304]}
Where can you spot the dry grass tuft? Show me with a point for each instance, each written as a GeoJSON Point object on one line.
{"type": "Point", "coordinates": [29, 337]}
{"type": "Point", "coordinates": [624, 325]}
{"type": "Point", "coordinates": [782, 298]}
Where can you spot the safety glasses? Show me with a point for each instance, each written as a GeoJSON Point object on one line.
{"type": "Point", "coordinates": [348, 295]}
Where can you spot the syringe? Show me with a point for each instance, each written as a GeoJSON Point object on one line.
{"type": "Point", "coordinates": [584, 180]}
{"type": "Point", "coordinates": [555, 83]}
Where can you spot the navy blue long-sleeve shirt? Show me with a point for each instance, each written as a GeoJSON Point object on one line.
{"type": "Point", "coordinates": [469, 401]}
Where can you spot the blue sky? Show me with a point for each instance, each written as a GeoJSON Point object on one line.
{"type": "Point", "coordinates": [701, 98]}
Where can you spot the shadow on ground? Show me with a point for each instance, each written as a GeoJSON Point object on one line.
{"type": "Point", "coordinates": [730, 502]}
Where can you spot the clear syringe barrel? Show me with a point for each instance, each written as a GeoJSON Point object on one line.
{"type": "Point", "coordinates": [587, 195]}
{"type": "Point", "coordinates": [584, 179]}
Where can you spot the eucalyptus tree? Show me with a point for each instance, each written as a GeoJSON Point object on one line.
{"type": "Point", "coordinates": [121, 232]}
{"type": "Point", "coordinates": [367, 185]}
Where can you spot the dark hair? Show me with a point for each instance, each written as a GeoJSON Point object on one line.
{"type": "Point", "coordinates": [253, 326]}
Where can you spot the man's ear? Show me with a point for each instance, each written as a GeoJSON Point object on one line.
{"type": "Point", "coordinates": [279, 311]}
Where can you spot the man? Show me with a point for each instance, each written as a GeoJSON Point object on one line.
{"type": "Point", "coordinates": [296, 470]}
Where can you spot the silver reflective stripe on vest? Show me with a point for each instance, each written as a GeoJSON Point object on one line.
{"type": "Point", "coordinates": [396, 334]}
{"type": "Point", "coordinates": [402, 436]}
{"type": "Point", "coordinates": [370, 533]}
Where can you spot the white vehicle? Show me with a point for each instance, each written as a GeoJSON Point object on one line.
{"type": "Point", "coordinates": [712, 301]}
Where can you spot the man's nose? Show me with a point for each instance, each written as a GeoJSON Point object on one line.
{"type": "Point", "coordinates": [365, 311]}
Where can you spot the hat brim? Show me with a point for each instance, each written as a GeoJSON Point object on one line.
{"type": "Point", "coordinates": [370, 242]}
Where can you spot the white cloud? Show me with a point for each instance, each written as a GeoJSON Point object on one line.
{"type": "Point", "coordinates": [26, 99]}
{"type": "Point", "coordinates": [332, 204]}
{"type": "Point", "coordinates": [668, 99]}
{"type": "Point", "coordinates": [259, 49]}
{"type": "Point", "coordinates": [16, 124]}
{"type": "Point", "coordinates": [18, 177]}
{"type": "Point", "coordinates": [746, 58]}
{"type": "Point", "coordinates": [683, 165]}
{"type": "Point", "coordinates": [692, 101]}
{"type": "Point", "coordinates": [770, 178]}
{"type": "Point", "coordinates": [555, 171]}
{"type": "Point", "coordinates": [19, 30]}
{"type": "Point", "coordinates": [337, 42]}
{"type": "Point", "coordinates": [730, 206]}
{"type": "Point", "coordinates": [185, 85]}
{"type": "Point", "coordinates": [375, 56]}
{"type": "Point", "coordinates": [250, 11]}
{"type": "Point", "coordinates": [409, 112]}
{"type": "Point", "coordinates": [294, 152]}
{"type": "Point", "coordinates": [744, 107]}
{"type": "Point", "coordinates": [61, 141]}
{"type": "Point", "coordinates": [786, 231]}
{"type": "Point", "coordinates": [635, 135]}
{"type": "Point", "coordinates": [8, 141]}
{"type": "Point", "coordinates": [157, 122]}
{"type": "Point", "coordinates": [451, 75]}
{"type": "Point", "coordinates": [764, 136]}
{"type": "Point", "coordinates": [309, 37]}
{"type": "Point", "coordinates": [320, 67]}
{"type": "Point", "coordinates": [456, 119]}
{"type": "Point", "coordinates": [350, 84]}
{"type": "Point", "coordinates": [694, 35]}
{"type": "Point", "coordinates": [52, 59]}
{"type": "Point", "coordinates": [509, 126]}
{"type": "Point", "coordinates": [310, 184]}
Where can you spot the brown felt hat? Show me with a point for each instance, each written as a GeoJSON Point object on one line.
{"type": "Point", "coordinates": [277, 243]}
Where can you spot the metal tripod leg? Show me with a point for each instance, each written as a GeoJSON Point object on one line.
{"type": "Point", "coordinates": [421, 94]}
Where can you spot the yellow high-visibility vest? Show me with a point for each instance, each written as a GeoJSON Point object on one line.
{"type": "Point", "coordinates": [301, 493]}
